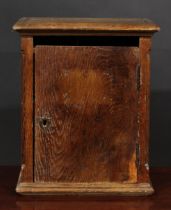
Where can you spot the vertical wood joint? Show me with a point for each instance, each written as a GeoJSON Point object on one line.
{"type": "Point", "coordinates": [138, 77]}
{"type": "Point", "coordinates": [138, 155]}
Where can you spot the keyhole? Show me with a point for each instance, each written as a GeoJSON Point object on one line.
{"type": "Point", "coordinates": [44, 122]}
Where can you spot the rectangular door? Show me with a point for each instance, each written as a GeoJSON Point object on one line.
{"type": "Point", "coordinates": [86, 104]}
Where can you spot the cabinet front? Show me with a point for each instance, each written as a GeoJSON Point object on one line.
{"type": "Point", "coordinates": [85, 113]}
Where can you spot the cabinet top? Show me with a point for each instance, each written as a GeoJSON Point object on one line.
{"type": "Point", "coordinates": [52, 25]}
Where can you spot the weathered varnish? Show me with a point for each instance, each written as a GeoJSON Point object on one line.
{"type": "Point", "coordinates": [85, 105]}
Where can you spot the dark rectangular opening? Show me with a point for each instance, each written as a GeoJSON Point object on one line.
{"type": "Point", "coordinates": [87, 40]}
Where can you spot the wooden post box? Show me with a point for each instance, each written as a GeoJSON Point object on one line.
{"type": "Point", "coordinates": [85, 105]}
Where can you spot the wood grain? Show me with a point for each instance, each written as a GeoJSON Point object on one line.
{"type": "Point", "coordinates": [85, 114]}
{"type": "Point", "coordinates": [27, 109]}
{"type": "Point", "coordinates": [144, 101]}
{"type": "Point", "coordinates": [84, 25]}
{"type": "Point", "coordinates": [46, 188]}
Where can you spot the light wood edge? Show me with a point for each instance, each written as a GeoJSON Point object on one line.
{"type": "Point", "coordinates": [84, 188]}
{"type": "Point", "coordinates": [85, 26]}
{"type": "Point", "coordinates": [101, 24]}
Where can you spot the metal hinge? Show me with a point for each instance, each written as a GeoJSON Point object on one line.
{"type": "Point", "coordinates": [137, 155]}
{"type": "Point", "coordinates": [138, 77]}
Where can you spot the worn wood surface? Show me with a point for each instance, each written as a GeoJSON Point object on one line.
{"type": "Point", "coordinates": [144, 100]}
{"type": "Point", "coordinates": [27, 109]}
{"type": "Point", "coordinates": [85, 25]}
{"type": "Point", "coordinates": [123, 189]}
{"type": "Point", "coordinates": [85, 114]}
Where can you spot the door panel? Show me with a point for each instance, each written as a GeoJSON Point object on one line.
{"type": "Point", "coordinates": [85, 114]}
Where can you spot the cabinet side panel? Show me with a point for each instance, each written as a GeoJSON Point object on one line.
{"type": "Point", "coordinates": [27, 109]}
{"type": "Point", "coordinates": [145, 47]}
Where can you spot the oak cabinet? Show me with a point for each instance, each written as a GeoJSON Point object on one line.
{"type": "Point", "coordinates": [85, 105]}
